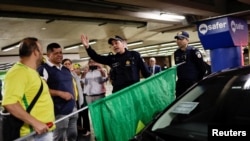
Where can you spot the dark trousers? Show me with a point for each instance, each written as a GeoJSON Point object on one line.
{"type": "Point", "coordinates": [83, 120]}
{"type": "Point", "coordinates": [85, 116]}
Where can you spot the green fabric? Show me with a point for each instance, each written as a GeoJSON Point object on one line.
{"type": "Point", "coordinates": [2, 74]}
{"type": "Point", "coordinates": [116, 117]}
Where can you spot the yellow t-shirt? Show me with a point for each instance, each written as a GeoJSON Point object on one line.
{"type": "Point", "coordinates": [22, 84]}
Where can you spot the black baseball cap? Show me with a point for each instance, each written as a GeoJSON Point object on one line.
{"type": "Point", "coordinates": [117, 38]}
{"type": "Point", "coordinates": [181, 35]}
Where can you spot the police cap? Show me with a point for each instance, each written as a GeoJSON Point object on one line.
{"type": "Point", "coordinates": [117, 38]}
{"type": "Point", "coordinates": [181, 35]}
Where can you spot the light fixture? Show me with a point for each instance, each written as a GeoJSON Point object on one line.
{"type": "Point", "coordinates": [134, 43]}
{"type": "Point", "coordinates": [146, 47]}
{"type": "Point", "coordinates": [91, 42]}
{"type": "Point", "coordinates": [148, 51]}
{"type": "Point", "coordinates": [10, 47]}
{"type": "Point", "coordinates": [72, 46]}
{"type": "Point", "coordinates": [168, 48]}
{"type": "Point", "coordinates": [85, 58]}
{"type": "Point", "coordinates": [195, 43]}
{"type": "Point", "coordinates": [168, 44]}
{"type": "Point", "coordinates": [162, 16]}
{"type": "Point", "coordinates": [172, 17]}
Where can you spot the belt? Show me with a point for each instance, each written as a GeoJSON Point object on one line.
{"type": "Point", "coordinates": [97, 94]}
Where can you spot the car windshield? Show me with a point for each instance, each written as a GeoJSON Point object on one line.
{"type": "Point", "coordinates": [221, 99]}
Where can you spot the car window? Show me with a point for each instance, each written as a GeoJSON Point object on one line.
{"type": "Point", "coordinates": [204, 94]}
{"type": "Point", "coordinates": [220, 99]}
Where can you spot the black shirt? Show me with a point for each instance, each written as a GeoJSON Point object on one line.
{"type": "Point", "coordinates": [193, 67]}
{"type": "Point", "coordinates": [125, 68]}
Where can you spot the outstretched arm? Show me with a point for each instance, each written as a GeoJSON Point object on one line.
{"type": "Point", "coordinates": [92, 53]}
{"type": "Point", "coordinates": [85, 41]}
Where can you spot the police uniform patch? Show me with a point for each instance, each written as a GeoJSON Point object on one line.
{"type": "Point", "coordinates": [198, 54]}
{"type": "Point", "coordinates": [128, 63]}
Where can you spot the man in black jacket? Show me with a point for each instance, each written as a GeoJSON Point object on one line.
{"type": "Point", "coordinates": [125, 65]}
{"type": "Point", "coordinates": [191, 67]}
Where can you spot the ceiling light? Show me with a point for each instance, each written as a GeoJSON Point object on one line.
{"type": "Point", "coordinates": [144, 54]}
{"type": "Point", "coordinates": [148, 51]}
{"type": "Point", "coordinates": [153, 46]}
{"type": "Point", "coordinates": [168, 44]}
{"type": "Point", "coordinates": [195, 43]}
{"type": "Point", "coordinates": [79, 45]}
{"type": "Point", "coordinates": [85, 58]}
{"type": "Point", "coordinates": [10, 47]}
{"type": "Point", "coordinates": [134, 43]}
{"type": "Point", "coordinates": [138, 49]}
{"type": "Point", "coordinates": [72, 47]}
{"type": "Point", "coordinates": [172, 16]}
{"type": "Point", "coordinates": [199, 46]}
{"type": "Point", "coordinates": [168, 48]}
{"type": "Point", "coordinates": [92, 42]}
{"type": "Point", "coordinates": [162, 16]}
{"type": "Point", "coordinates": [152, 53]}
{"type": "Point", "coordinates": [146, 47]}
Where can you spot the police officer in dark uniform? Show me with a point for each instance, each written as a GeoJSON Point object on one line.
{"type": "Point", "coordinates": [125, 65]}
{"type": "Point", "coordinates": [189, 61]}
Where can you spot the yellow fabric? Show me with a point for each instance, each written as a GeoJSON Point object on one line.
{"type": "Point", "coordinates": [75, 89]}
{"type": "Point", "coordinates": [76, 66]}
{"type": "Point", "coordinates": [139, 127]}
{"type": "Point", "coordinates": [22, 81]}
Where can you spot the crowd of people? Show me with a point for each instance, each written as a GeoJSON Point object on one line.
{"type": "Point", "coordinates": [68, 88]}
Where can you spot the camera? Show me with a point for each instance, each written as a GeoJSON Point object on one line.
{"type": "Point", "coordinates": [92, 67]}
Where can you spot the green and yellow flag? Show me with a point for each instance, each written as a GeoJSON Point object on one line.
{"type": "Point", "coordinates": [123, 114]}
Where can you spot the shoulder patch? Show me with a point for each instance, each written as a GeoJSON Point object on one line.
{"type": "Point", "coordinates": [198, 54]}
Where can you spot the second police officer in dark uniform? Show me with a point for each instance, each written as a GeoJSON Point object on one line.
{"type": "Point", "coordinates": [191, 67]}
{"type": "Point", "coordinates": [125, 65]}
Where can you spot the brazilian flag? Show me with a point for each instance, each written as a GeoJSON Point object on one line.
{"type": "Point", "coordinates": [119, 116]}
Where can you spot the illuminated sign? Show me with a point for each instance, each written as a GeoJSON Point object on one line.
{"type": "Point", "coordinates": [223, 32]}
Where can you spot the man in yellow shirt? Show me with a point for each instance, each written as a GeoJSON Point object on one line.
{"type": "Point", "coordinates": [21, 85]}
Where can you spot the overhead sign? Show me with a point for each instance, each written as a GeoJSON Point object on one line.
{"type": "Point", "coordinates": [223, 32]}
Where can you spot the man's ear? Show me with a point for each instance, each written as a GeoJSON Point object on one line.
{"type": "Point", "coordinates": [36, 52]}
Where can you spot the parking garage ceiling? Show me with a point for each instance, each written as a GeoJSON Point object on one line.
{"type": "Point", "coordinates": [63, 21]}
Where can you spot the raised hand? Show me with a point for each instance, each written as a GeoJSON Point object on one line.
{"type": "Point", "coordinates": [85, 41]}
